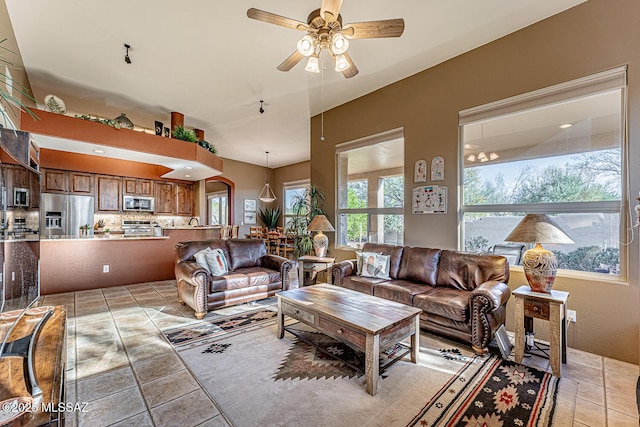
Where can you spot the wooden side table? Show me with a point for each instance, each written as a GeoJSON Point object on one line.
{"type": "Point", "coordinates": [550, 307]}
{"type": "Point", "coordinates": [309, 267]}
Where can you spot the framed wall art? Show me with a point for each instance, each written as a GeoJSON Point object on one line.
{"type": "Point", "coordinates": [429, 199]}
{"type": "Point", "coordinates": [249, 218]}
{"type": "Point", "coordinates": [437, 169]}
{"type": "Point", "coordinates": [420, 172]}
{"type": "Point", "coordinates": [250, 205]}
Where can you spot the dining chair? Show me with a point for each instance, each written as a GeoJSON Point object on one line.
{"type": "Point", "coordinates": [285, 246]}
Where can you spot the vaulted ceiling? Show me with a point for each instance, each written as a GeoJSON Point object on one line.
{"type": "Point", "coordinates": [209, 61]}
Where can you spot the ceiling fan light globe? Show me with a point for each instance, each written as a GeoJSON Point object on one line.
{"type": "Point", "coordinates": [339, 44]}
{"type": "Point", "coordinates": [306, 45]}
{"type": "Point", "coordinates": [312, 65]}
{"type": "Point", "coordinates": [342, 63]}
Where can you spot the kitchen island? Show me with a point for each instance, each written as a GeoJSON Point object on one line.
{"type": "Point", "coordinates": [91, 262]}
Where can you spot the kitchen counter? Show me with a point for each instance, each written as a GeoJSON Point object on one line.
{"type": "Point", "coordinates": [191, 227]}
{"type": "Point", "coordinates": [71, 263]}
{"type": "Point", "coordinates": [103, 237]}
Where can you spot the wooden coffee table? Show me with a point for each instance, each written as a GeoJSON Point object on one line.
{"type": "Point", "coordinates": [364, 322]}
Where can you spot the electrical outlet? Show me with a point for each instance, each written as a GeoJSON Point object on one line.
{"type": "Point", "coordinates": [105, 268]}
{"type": "Point", "coordinates": [571, 315]}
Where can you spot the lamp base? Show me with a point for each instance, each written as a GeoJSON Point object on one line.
{"type": "Point", "coordinates": [540, 267]}
{"type": "Point", "coordinates": [320, 244]}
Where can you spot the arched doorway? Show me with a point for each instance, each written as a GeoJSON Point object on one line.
{"type": "Point", "coordinates": [216, 187]}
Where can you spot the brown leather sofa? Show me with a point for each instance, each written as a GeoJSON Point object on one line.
{"type": "Point", "coordinates": [462, 295]}
{"type": "Point", "coordinates": [253, 274]}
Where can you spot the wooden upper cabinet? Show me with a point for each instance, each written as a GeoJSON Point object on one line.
{"type": "Point", "coordinates": [164, 197]}
{"type": "Point", "coordinates": [81, 183]}
{"type": "Point", "coordinates": [138, 187]}
{"type": "Point", "coordinates": [34, 197]}
{"type": "Point", "coordinates": [20, 177]}
{"type": "Point", "coordinates": [184, 199]}
{"type": "Point", "coordinates": [57, 181]}
{"type": "Point", "coordinates": [54, 181]}
{"type": "Point", "coordinates": [109, 192]}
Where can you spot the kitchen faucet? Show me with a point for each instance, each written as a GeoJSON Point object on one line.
{"type": "Point", "coordinates": [197, 220]}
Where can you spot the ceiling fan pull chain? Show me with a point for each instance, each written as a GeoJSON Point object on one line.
{"type": "Point", "coordinates": [321, 97]}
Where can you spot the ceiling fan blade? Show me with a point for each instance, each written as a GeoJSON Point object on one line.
{"type": "Point", "coordinates": [272, 18]}
{"type": "Point", "coordinates": [291, 61]}
{"type": "Point", "coordinates": [352, 70]}
{"type": "Point", "coordinates": [330, 10]}
{"type": "Point", "coordinates": [374, 29]}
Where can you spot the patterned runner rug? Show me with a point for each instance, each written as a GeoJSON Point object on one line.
{"type": "Point", "coordinates": [502, 393]}
{"type": "Point", "coordinates": [258, 379]}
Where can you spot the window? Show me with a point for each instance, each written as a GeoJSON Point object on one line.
{"type": "Point", "coordinates": [371, 191]}
{"type": "Point", "coordinates": [557, 151]}
{"type": "Point", "coordinates": [217, 207]}
{"type": "Point", "coordinates": [292, 191]}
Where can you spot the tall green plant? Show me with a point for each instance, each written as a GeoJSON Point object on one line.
{"type": "Point", "coordinates": [180, 132]}
{"type": "Point", "coordinates": [270, 217]}
{"type": "Point", "coordinates": [305, 206]}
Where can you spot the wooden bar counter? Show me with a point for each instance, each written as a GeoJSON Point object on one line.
{"type": "Point", "coordinates": [68, 265]}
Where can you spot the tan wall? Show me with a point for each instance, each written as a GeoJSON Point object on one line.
{"type": "Point", "coordinates": [249, 180]}
{"type": "Point", "coordinates": [592, 37]}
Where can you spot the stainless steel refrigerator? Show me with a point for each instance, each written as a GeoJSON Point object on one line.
{"type": "Point", "coordinates": [63, 215]}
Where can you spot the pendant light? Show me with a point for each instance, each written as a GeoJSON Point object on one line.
{"type": "Point", "coordinates": [267, 195]}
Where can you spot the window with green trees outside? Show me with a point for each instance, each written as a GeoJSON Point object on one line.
{"type": "Point", "coordinates": [558, 151]}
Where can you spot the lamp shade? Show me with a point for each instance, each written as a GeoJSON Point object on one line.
{"type": "Point", "coordinates": [539, 264]}
{"type": "Point", "coordinates": [538, 228]}
{"type": "Point", "coordinates": [320, 223]}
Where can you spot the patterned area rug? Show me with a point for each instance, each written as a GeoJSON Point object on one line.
{"type": "Point", "coordinates": [502, 393]}
{"type": "Point", "coordinates": [201, 333]}
{"type": "Point", "coordinates": [306, 361]}
{"type": "Point", "coordinates": [290, 383]}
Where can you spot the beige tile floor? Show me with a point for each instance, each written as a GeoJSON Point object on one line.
{"type": "Point", "coordinates": [119, 362]}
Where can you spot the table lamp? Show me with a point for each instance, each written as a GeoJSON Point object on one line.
{"type": "Point", "coordinates": [539, 264]}
{"type": "Point", "coordinates": [320, 223]}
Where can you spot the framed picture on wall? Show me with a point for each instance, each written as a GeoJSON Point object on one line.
{"type": "Point", "coordinates": [250, 205]}
{"type": "Point", "coordinates": [249, 218]}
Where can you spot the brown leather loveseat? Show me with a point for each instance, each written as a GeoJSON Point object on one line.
{"type": "Point", "coordinates": [462, 295]}
{"type": "Point", "coordinates": [253, 274]}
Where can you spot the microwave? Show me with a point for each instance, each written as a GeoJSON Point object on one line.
{"type": "Point", "coordinates": [20, 197]}
{"type": "Point", "coordinates": [138, 203]}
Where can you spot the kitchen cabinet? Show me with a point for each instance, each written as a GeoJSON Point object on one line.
{"type": "Point", "coordinates": [16, 177]}
{"type": "Point", "coordinates": [59, 181]}
{"type": "Point", "coordinates": [184, 199]}
{"type": "Point", "coordinates": [138, 187]}
{"type": "Point", "coordinates": [34, 197]}
{"type": "Point", "coordinates": [165, 197]}
{"type": "Point", "coordinates": [109, 193]}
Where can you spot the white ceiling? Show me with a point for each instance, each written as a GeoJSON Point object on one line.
{"type": "Point", "coordinates": [207, 60]}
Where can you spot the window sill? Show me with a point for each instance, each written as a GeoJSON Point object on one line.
{"type": "Point", "coordinates": [582, 275]}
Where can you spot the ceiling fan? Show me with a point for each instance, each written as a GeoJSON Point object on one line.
{"type": "Point", "coordinates": [325, 32]}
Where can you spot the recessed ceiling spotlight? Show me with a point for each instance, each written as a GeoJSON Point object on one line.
{"type": "Point", "coordinates": [98, 151]}
{"type": "Point", "coordinates": [188, 167]}
{"type": "Point", "coordinates": [565, 126]}
{"type": "Point", "coordinates": [187, 176]}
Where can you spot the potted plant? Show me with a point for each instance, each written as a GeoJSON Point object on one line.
{"type": "Point", "coordinates": [270, 217]}
{"type": "Point", "coordinates": [184, 134]}
{"type": "Point", "coordinates": [107, 232]}
{"type": "Point", "coordinates": [304, 206]}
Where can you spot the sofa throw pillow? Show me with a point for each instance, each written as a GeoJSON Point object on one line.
{"type": "Point", "coordinates": [217, 262]}
{"type": "Point", "coordinates": [360, 257]}
{"type": "Point", "coordinates": [201, 259]}
{"type": "Point", "coordinates": [375, 265]}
